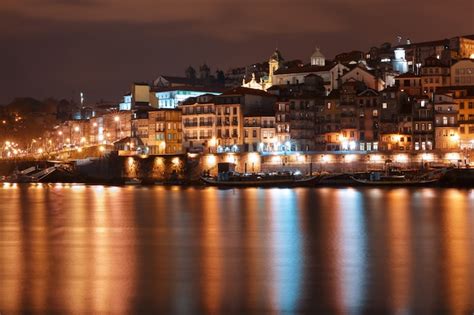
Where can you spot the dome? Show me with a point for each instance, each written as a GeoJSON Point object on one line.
{"type": "Point", "coordinates": [317, 58]}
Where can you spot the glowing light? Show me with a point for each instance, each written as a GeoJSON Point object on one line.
{"type": "Point", "coordinates": [325, 158]}
{"type": "Point", "coordinates": [276, 159]}
{"type": "Point", "coordinates": [455, 137]}
{"type": "Point", "coordinates": [253, 157]}
{"type": "Point", "coordinates": [352, 145]}
{"type": "Point", "coordinates": [116, 118]}
{"type": "Point", "coordinates": [453, 156]}
{"type": "Point", "coordinates": [211, 160]}
{"type": "Point", "coordinates": [300, 158]}
{"type": "Point", "coordinates": [375, 158]}
{"type": "Point", "coordinates": [401, 158]}
{"type": "Point", "coordinates": [175, 161]}
{"type": "Point", "coordinates": [349, 158]}
{"type": "Point", "coordinates": [76, 129]}
{"type": "Point", "coordinates": [427, 157]}
{"type": "Point", "coordinates": [101, 148]}
{"type": "Point", "coordinates": [40, 151]}
{"type": "Point", "coordinates": [213, 142]}
{"type": "Point", "coordinates": [230, 158]}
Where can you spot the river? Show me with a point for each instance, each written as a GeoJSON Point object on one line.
{"type": "Point", "coordinates": [78, 249]}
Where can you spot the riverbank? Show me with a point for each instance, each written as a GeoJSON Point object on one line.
{"type": "Point", "coordinates": [186, 169]}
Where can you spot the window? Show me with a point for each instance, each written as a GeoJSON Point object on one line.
{"type": "Point", "coordinates": [375, 113]}
{"type": "Point", "coordinates": [384, 105]}
{"type": "Point", "coordinates": [445, 120]}
{"type": "Point", "coordinates": [362, 146]}
{"type": "Point", "coordinates": [254, 133]}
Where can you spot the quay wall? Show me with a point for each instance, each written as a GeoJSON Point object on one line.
{"type": "Point", "coordinates": [113, 166]}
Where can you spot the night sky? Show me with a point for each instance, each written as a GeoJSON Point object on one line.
{"type": "Point", "coordinates": [60, 47]}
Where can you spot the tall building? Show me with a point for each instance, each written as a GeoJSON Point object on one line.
{"type": "Point", "coordinates": [446, 122]}
{"type": "Point", "coordinates": [199, 123]}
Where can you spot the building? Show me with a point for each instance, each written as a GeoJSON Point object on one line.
{"type": "Point", "coordinates": [422, 124]}
{"type": "Point", "coordinates": [462, 72]}
{"type": "Point", "coordinates": [463, 97]}
{"type": "Point", "coordinates": [231, 107]}
{"type": "Point", "coordinates": [409, 83]}
{"type": "Point", "coordinates": [362, 74]}
{"type": "Point", "coordinates": [434, 74]}
{"type": "Point", "coordinates": [446, 122]}
{"type": "Point", "coordinates": [171, 97]}
{"type": "Point", "coordinates": [199, 123]}
{"type": "Point", "coordinates": [399, 63]}
{"type": "Point", "coordinates": [259, 130]}
{"type": "Point", "coordinates": [165, 133]}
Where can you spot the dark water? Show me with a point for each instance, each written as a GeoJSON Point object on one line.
{"type": "Point", "coordinates": [131, 250]}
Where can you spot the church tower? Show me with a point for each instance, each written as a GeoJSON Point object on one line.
{"type": "Point", "coordinates": [274, 63]}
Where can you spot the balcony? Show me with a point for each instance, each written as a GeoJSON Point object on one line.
{"type": "Point", "coordinates": [190, 124]}
{"type": "Point", "coordinates": [206, 124]}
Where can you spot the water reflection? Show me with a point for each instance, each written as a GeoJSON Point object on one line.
{"type": "Point", "coordinates": [78, 249]}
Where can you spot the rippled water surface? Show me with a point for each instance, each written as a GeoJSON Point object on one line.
{"type": "Point", "coordinates": [72, 249]}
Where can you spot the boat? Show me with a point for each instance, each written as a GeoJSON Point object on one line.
{"type": "Point", "coordinates": [133, 181]}
{"type": "Point", "coordinates": [379, 179]}
{"type": "Point", "coordinates": [232, 179]}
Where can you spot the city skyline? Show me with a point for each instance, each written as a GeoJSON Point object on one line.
{"type": "Point", "coordinates": [101, 47]}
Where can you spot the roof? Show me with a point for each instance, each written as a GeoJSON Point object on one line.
{"type": "Point", "coordinates": [368, 91]}
{"type": "Point", "coordinates": [194, 100]}
{"type": "Point", "coordinates": [267, 111]}
{"type": "Point", "coordinates": [438, 42]}
{"type": "Point", "coordinates": [243, 91]}
{"type": "Point", "coordinates": [179, 80]}
{"type": "Point", "coordinates": [407, 75]}
{"type": "Point", "coordinates": [305, 68]}
{"type": "Point", "coordinates": [211, 89]}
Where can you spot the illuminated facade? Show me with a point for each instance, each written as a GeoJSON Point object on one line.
{"type": "Point", "coordinates": [171, 97]}
{"type": "Point", "coordinates": [446, 122]}
{"type": "Point", "coordinates": [199, 123]}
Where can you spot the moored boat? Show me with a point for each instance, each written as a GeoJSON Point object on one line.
{"type": "Point", "coordinates": [232, 179]}
{"type": "Point", "coordinates": [376, 179]}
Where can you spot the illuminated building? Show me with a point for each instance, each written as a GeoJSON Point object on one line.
{"type": "Point", "coordinates": [199, 123]}
{"type": "Point", "coordinates": [463, 96]}
{"type": "Point", "coordinates": [422, 124]}
{"type": "Point", "coordinates": [165, 131]}
{"type": "Point", "coordinates": [230, 109]}
{"type": "Point", "coordinates": [446, 122]}
{"type": "Point", "coordinates": [171, 97]}
{"type": "Point", "coordinates": [259, 130]}
{"type": "Point", "coordinates": [399, 63]}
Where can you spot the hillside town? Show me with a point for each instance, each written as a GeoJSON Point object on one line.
{"type": "Point", "coordinates": [403, 98]}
